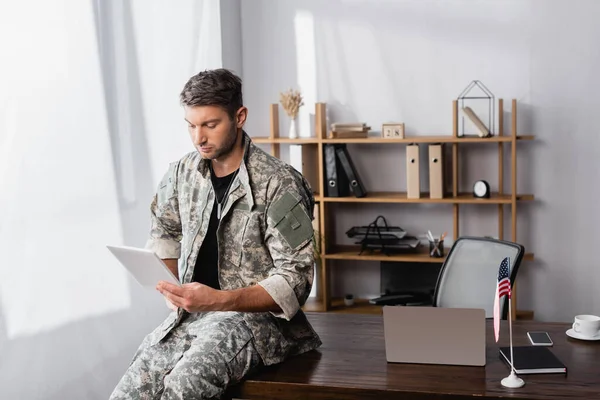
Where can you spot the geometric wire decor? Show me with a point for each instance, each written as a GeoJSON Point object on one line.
{"type": "Point", "coordinates": [467, 99]}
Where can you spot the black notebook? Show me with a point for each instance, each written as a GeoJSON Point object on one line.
{"type": "Point", "coordinates": [533, 360]}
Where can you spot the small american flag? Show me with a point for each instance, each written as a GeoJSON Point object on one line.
{"type": "Point", "coordinates": [502, 288]}
{"type": "Point", "coordinates": [503, 279]}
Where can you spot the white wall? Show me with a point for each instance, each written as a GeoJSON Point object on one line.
{"type": "Point", "coordinates": [231, 35]}
{"type": "Point", "coordinates": [378, 61]}
{"type": "Point", "coordinates": [89, 120]}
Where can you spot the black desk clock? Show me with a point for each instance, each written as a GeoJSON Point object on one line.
{"type": "Point", "coordinates": [481, 189]}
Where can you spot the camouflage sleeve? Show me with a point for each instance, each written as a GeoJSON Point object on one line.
{"type": "Point", "coordinates": [165, 231]}
{"type": "Point", "coordinates": [289, 234]}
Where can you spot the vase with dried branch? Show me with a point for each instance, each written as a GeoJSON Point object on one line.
{"type": "Point", "coordinates": [291, 101]}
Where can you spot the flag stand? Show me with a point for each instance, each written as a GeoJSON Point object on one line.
{"type": "Point", "coordinates": [511, 381]}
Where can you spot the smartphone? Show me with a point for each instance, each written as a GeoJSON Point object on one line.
{"type": "Point", "coordinates": [539, 338]}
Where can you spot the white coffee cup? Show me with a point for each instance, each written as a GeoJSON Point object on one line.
{"type": "Point", "coordinates": [587, 325]}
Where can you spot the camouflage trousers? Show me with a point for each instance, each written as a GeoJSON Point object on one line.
{"type": "Point", "coordinates": [198, 359]}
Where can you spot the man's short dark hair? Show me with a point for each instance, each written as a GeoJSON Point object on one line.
{"type": "Point", "coordinates": [216, 87]}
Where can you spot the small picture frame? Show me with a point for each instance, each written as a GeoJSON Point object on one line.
{"type": "Point", "coordinates": [393, 130]}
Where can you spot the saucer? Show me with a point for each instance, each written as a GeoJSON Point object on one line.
{"type": "Point", "coordinates": [575, 335]}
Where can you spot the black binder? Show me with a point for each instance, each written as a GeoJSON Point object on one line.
{"type": "Point", "coordinates": [337, 184]}
{"type": "Point", "coordinates": [355, 183]}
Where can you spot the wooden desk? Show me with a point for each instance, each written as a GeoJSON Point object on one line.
{"type": "Point", "coordinates": [351, 364]}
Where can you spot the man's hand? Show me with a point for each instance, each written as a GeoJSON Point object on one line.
{"type": "Point", "coordinates": [192, 297]}
{"type": "Point", "coordinates": [170, 305]}
{"type": "Point", "coordinates": [196, 297]}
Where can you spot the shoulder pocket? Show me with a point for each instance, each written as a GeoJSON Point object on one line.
{"type": "Point", "coordinates": [290, 219]}
{"type": "Point", "coordinates": [166, 187]}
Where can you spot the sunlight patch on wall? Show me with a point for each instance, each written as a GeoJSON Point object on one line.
{"type": "Point", "coordinates": [58, 201]}
{"type": "Point", "coordinates": [306, 70]}
{"type": "Point", "coordinates": [306, 76]}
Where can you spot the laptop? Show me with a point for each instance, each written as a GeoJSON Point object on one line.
{"type": "Point", "coordinates": [434, 335]}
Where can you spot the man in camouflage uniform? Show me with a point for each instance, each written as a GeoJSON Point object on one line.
{"type": "Point", "coordinates": [234, 224]}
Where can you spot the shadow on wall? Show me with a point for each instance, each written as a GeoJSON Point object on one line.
{"type": "Point", "coordinates": [371, 55]}
{"type": "Point", "coordinates": [3, 332]}
{"type": "Point", "coordinates": [85, 359]}
{"type": "Point", "coordinates": [79, 360]}
{"type": "Point", "coordinates": [124, 105]}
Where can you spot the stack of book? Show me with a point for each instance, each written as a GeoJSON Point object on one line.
{"type": "Point", "coordinates": [349, 130]}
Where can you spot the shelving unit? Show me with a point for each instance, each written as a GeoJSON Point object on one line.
{"type": "Point", "coordinates": [326, 205]}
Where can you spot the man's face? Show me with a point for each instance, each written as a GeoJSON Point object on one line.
{"type": "Point", "coordinates": [211, 130]}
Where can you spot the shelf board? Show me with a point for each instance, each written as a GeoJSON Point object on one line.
{"type": "Point", "coordinates": [429, 139]}
{"type": "Point", "coordinates": [362, 306]}
{"type": "Point", "coordinates": [400, 197]}
{"type": "Point", "coordinates": [380, 140]}
{"type": "Point", "coordinates": [525, 315]}
{"type": "Point", "coordinates": [352, 253]}
{"type": "Point", "coordinates": [313, 304]}
{"type": "Point", "coordinates": [266, 139]}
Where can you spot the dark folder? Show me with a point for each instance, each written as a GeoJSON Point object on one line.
{"type": "Point", "coordinates": [533, 360]}
{"type": "Point", "coordinates": [337, 184]}
{"type": "Point", "coordinates": [355, 183]}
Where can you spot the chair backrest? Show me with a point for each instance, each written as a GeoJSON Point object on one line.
{"type": "Point", "coordinates": [469, 276]}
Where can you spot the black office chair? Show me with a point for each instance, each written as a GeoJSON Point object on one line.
{"type": "Point", "coordinates": [469, 276]}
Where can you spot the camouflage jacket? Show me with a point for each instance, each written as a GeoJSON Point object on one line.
{"type": "Point", "coordinates": [265, 237]}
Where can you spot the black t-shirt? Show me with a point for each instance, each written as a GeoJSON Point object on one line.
{"type": "Point", "coordinates": [206, 270]}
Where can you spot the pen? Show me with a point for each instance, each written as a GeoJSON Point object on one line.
{"type": "Point", "coordinates": [430, 236]}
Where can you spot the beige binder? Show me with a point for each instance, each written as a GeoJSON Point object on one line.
{"type": "Point", "coordinates": [436, 172]}
{"type": "Point", "coordinates": [413, 189]}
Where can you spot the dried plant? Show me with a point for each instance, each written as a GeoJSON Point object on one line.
{"type": "Point", "coordinates": [291, 101]}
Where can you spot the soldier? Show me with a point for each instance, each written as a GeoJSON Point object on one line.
{"type": "Point", "coordinates": [234, 224]}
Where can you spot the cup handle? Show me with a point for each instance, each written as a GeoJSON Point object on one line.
{"type": "Point", "coordinates": [575, 326]}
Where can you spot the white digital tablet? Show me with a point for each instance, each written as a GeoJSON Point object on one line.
{"type": "Point", "coordinates": [145, 266]}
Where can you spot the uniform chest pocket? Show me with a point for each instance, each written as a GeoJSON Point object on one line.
{"type": "Point", "coordinates": [232, 235]}
{"type": "Point", "coordinates": [291, 220]}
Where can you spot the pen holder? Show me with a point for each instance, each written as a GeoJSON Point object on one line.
{"type": "Point", "coordinates": [349, 300]}
{"type": "Point", "coordinates": [436, 248]}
